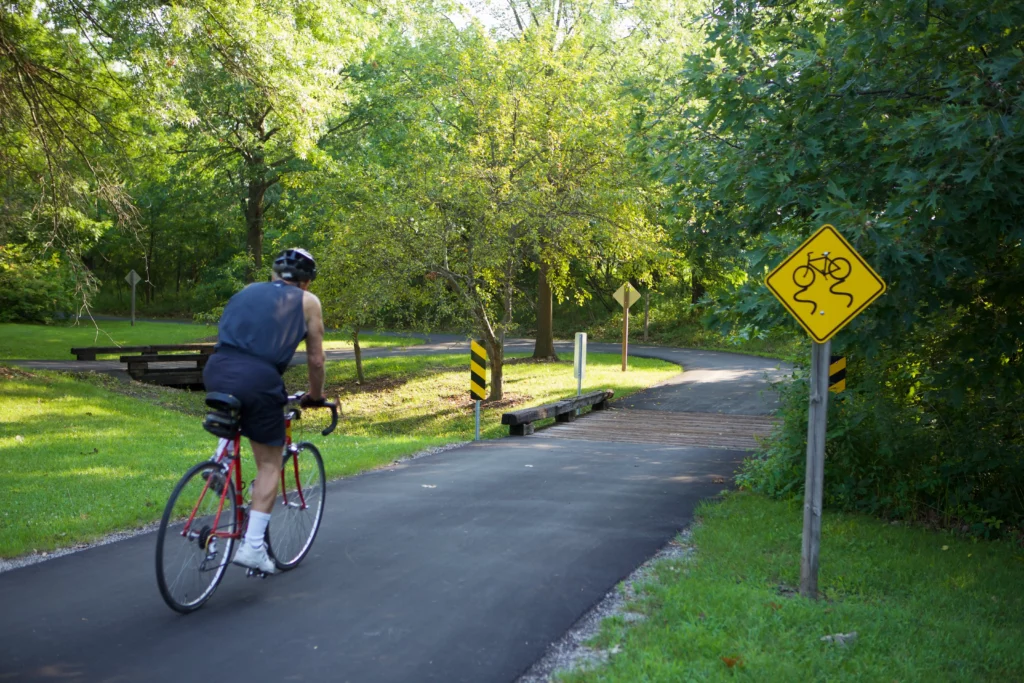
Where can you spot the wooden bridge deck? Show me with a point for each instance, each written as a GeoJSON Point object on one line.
{"type": "Point", "coordinates": [709, 430]}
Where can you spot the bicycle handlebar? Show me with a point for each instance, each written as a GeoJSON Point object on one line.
{"type": "Point", "coordinates": [326, 404]}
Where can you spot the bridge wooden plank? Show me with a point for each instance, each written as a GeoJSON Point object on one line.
{"type": "Point", "coordinates": [708, 430]}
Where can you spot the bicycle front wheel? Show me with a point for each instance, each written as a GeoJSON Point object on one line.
{"type": "Point", "coordinates": [196, 537]}
{"type": "Point", "coordinates": [803, 276]}
{"type": "Point", "coordinates": [299, 506]}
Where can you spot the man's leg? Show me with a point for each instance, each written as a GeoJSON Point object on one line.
{"type": "Point", "coordinates": [268, 475]}
{"type": "Point", "coordinates": [264, 491]}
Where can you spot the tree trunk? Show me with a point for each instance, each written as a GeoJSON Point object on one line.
{"type": "Point", "coordinates": [698, 290]}
{"type": "Point", "coordinates": [495, 347]}
{"type": "Point", "coordinates": [149, 260]}
{"type": "Point", "coordinates": [544, 348]}
{"type": "Point", "coordinates": [359, 356]}
{"type": "Point", "coordinates": [254, 226]}
{"type": "Point", "coordinates": [150, 293]}
{"type": "Point", "coordinates": [495, 351]}
{"type": "Point", "coordinates": [496, 359]}
{"type": "Point", "coordinates": [647, 311]}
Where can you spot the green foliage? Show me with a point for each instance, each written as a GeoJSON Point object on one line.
{"type": "Point", "coordinates": [482, 158]}
{"type": "Point", "coordinates": [63, 120]}
{"type": "Point", "coordinates": [220, 284]}
{"type": "Point", "coordinates": [893, 452]}
{"type": "Point", "coordinates": [205, 130]}
{"type": "Point", "coordinates": [254, 88]}
{"type": "Point", "coordinates": [33, 290]}
{"type": "Point", "coordinates": [899, 124]}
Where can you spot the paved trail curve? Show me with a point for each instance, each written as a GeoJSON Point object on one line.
{"type": "Point", "coordinates": [461, 566]}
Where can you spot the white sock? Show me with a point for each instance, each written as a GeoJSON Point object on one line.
{"type": "Point", "coordinates": [257, 528]}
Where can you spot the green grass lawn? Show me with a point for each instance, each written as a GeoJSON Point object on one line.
{"type": "Point", "coordinates": [77, 461]}
{"type": "Point", "coordinates": [343, 340]}
{"type": "Point", "coordinates": [428, 396]}
{"type": "Point", "coordinates": [926, 605]}
{"type": "Point", "coordinates": [54, 342]}
{"type": "Point", "coordinates": [85, 455]}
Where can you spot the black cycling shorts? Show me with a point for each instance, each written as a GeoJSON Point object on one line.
{"type": "Point", "coordinates": [258, 386]}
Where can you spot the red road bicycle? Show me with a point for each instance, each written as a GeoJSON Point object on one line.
{"type": "Point", "coordinates": [206, 514]}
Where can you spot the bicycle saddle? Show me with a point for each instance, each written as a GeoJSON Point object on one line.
{"type": "Point", "coordinates": [227, 412]}
{"type": "Point", "coordinates": [223, 402]}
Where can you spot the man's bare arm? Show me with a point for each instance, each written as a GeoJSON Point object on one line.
{"type": "Point", "coordinates": [314, 344]}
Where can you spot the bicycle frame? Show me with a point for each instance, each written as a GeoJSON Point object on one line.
{"type": "Point", "coordinates": [826, 269]}
{"type": "Point", "coordinates": [228, 456]}
{"type": "Point", "coordinates": [188, 573]}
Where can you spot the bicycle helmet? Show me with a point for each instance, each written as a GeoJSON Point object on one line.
{"type": "Point", "coordinates": [295, 265]}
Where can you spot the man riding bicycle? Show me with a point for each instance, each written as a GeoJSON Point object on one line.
{"type": "Point", "coordinates": [257, 336]}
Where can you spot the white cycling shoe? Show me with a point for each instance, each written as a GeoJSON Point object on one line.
{"type": "Point", "coordinates": [254, 558]}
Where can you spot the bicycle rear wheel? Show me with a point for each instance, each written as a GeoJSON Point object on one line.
{"type": "Point", "coordinates": [190, 556]}
{"type": "Point", "coordinates": [299, 506]}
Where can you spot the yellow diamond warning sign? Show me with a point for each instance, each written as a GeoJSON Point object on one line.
{"type": "Point", "coordinates": [825, 284]}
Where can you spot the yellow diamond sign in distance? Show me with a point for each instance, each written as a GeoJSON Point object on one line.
{"type": "Point", "coordinates": [621, 294]}
{"type": "Point", "coordinates": [825, 284]}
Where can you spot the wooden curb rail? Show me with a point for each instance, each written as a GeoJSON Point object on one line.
{"type": "Point", "coordinates": [90, 352]}
{"type": "Point", "coordinates": [520, 422]}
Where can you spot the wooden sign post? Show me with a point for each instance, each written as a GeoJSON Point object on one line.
{"type": "Point", "coordinates": [625, 335]}
{"type": "Point", "coordinates": [133, 279]}
{"type": "Point", "coordinates": [626, 295]}
{"type": "Point", "coordinates": [825, 284]}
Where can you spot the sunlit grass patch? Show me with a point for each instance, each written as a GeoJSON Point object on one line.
{"type": "Point", "coordinates": [926, 606]}
{"type": "Point", "coordinates": [77, 461]}
{"type": "Point", "coordinates": [342, 341]}
{"type": "Point", "coordinates": [428, 396]}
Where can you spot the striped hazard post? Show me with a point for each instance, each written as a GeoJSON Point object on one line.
{"type": "Point", "coordinates": [477, 377]}
{"type": "Point", "coordinates": [837, 374]}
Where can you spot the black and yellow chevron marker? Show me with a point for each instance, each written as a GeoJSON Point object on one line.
{"type": "Point", "coordinates": [837, 374]}
{"type": "Point", "coordinates": [477, 370]}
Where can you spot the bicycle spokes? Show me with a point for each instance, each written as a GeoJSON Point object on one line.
{"type": "Point", "coordinates": [196, 536]}
{"type": "Point", "coordinates": [299, 507]}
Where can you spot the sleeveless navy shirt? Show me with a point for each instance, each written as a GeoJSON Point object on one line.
{"type": "Point", "coordinates": [264, 320]}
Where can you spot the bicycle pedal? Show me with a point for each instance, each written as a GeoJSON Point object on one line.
{"type": "Point", "coordinates": [256, 573]}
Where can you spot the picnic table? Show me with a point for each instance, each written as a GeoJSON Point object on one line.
{"type": "Point", "coordinates": [164, 364]}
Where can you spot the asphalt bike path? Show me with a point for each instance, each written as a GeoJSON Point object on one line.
{"type": "Point", "coordinates": [459, 566]}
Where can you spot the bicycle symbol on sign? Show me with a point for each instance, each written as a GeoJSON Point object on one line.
{"type": "Point", "coordinates": [836, 268]}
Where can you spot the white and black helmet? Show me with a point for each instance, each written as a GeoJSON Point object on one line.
{"type": "Point", "coordinates": [295, 265]}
